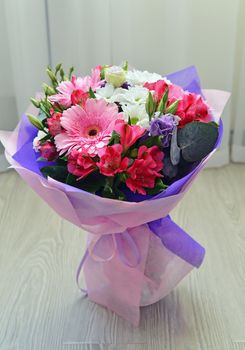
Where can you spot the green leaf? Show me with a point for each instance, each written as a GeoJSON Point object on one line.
{"type": "Point", "coordinates": [102, 72]}
{"type": "Point", "coordinates": [159, 187]}
{"type": "Point", "coordinates": [125, 66]}
{"type": "Point", "coordinates": [57, 172]}
{"type": "Point", "coordinates": [45, 138]}
{"type": "Point", "coordinates": [35, 121]}
{"type": "Point", "coordinates": [162, 104]}
{"type": "Point", "coordinates": [134, 120]}
{"type": "Point", "coordinates": [152, 141]}
{"type": "Point", "coordinates": [44, 107]}
{"type": "Point", "coordinates": [108, 188]}
{"type": "Point", "coordinates": [91, 93]}
{"type": "Point", "coordinates": [174, 148]}
{"type": "Point", "coordinates": [197, 140]}
{"type": "Point", "coordinates": [120, 195]}
{"type": "Point", "coordinates": [115, 138]}
{"type": "Point", "coordinates": [173, 107]}
{"type": "Point", "coordinates": [91, 183]}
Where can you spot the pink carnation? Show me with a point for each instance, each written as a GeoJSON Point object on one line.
{"type": "Point", "coordinates": [53, 122]}
{"type": "Point", "coordinates": [68, 90]}
{"type": "Point", "coordinates": [80, 164]}
{"type": "Point", "coordinates": [87, 128]}
{"type": "Point", "coordinates": [111, 161]}
{"type": "Point", "coordinates": [145, 169]}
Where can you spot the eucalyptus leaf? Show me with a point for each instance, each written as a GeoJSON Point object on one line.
{"type": "Point", "coordinates": [169, 170]}
{"type": "Point", "coordinates": [196, 140]}
{"type": "Point", "coordinates": [174, 148]}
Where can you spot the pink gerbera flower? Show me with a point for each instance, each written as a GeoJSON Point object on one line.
{"type": "Point", "coordinates": [80, 85]}
{"type": "Point", "coordinates": [87, 129]}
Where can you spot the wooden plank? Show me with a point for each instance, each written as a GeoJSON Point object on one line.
{"type": "Point", "coordinates": [41, 307]}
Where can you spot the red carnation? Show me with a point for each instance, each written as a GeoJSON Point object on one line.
{"type": "Point", "coordinates": [111, 161]}
{"type": "Point", "coordinates": [80, 164]}
{"type": "Point", "coordinates": [145, 169]}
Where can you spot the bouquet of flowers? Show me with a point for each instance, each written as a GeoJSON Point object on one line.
{"type": "Point", "coordinates": [113, 153]}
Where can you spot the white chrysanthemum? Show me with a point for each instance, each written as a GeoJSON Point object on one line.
{"type": "Point", "coordinates": [137, 114]}
{"type": "Point", "coordinates": [110, 94]}
{"type": "Point", "coordinates": [134, 95]}
{"type": "Point", "coordinates": [137, 77]}
{"type": "Point", "coordinates": [105, 92]}
{"type": "Point", "coordinates": [36, 142]}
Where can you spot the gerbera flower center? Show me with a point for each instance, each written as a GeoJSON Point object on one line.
{"type": "Point", "coordinates": [92, 131]}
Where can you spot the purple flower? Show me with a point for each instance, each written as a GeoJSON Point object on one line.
{"type": "Point", "coordinates": [164, 126]}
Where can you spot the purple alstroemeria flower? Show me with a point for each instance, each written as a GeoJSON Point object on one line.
{"type": "Point", "coordinates": [164, 126]}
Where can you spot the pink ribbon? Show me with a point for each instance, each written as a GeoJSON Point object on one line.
{"type": "Point", "coordinates": [118, 246]}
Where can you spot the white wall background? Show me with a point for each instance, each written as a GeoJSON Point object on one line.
{"type": "Point", "coordinates": [158, 35]}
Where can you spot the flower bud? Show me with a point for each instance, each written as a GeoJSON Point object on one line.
{"type": "Point", "coordinates": [35, 102]}
{"type": "Point", "coordinates": [52, 76]}
{"type": "Point", "coordinates": [48, 90]}
{"type": "Point", "coordinates": [150, 106]}
{"type": "Point", "coordinates": [115, 76]}
{"type": "Point", "coordinates": [48, 151]}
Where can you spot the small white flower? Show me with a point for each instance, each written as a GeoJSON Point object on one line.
{"type": "Point", "coordinates": [137, 114]}
{"type": "Point", "coordinates": [137, 77]}
{"type": "Point", "coordinates": [110, 94]}
{"type": "Point", "coordinates": [134, 95]}
{"type": "Point", "coordinates": [105, 92]}
{"type": "Point", "coordinates": [36, 142]}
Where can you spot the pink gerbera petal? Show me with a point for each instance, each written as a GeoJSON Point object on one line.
{"type": "Point", "coordinates": [87, 128]}
{"type": "Point", "coordinates": [82, 84]}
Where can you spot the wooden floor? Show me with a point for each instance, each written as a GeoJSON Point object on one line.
{"type": "Point", "coordinates": [41, 308]}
